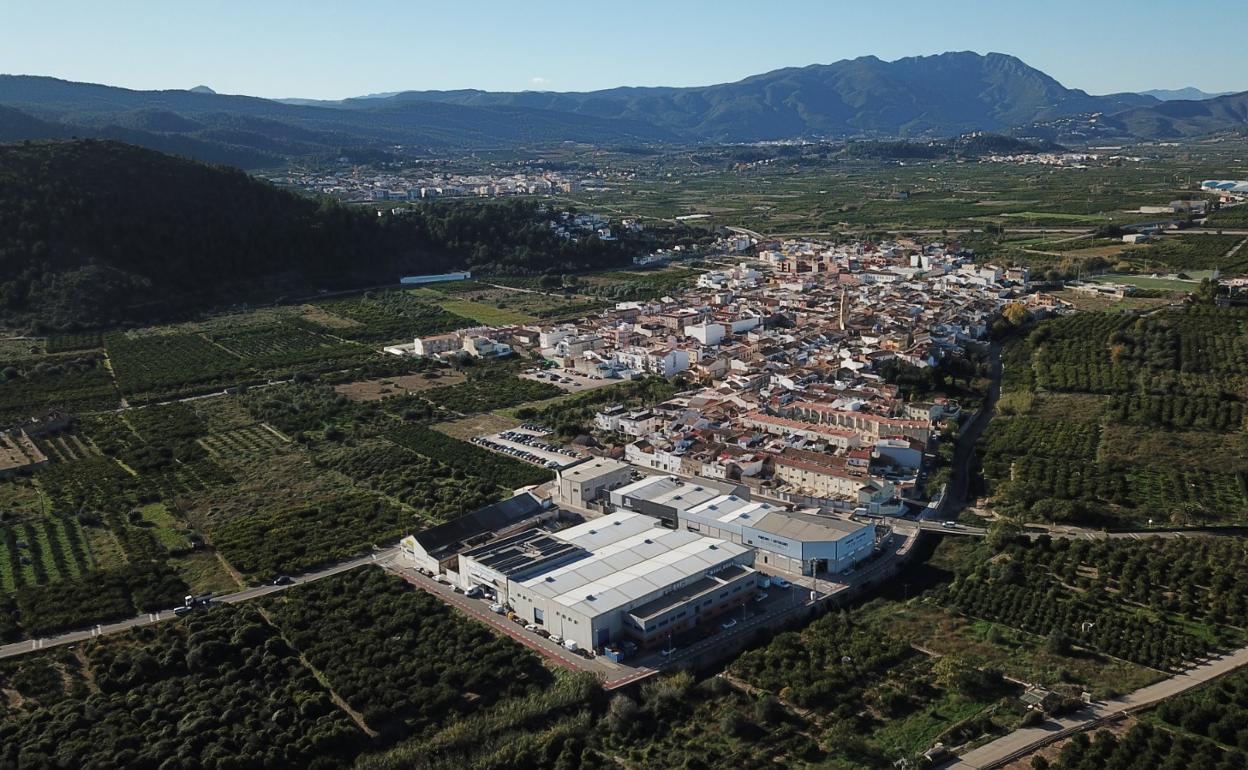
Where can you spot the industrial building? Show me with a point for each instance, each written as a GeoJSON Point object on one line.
{"type": "Point", "coordinates": [437, 549]}
{"type": "Point", "coordinates": [588, 480]}
{"type": "Point", "coordinates": [790, 541]}
{"type": "Point", "coordinates": [621, 576]}
{"type": "Point", "coordinates": [665, 497]}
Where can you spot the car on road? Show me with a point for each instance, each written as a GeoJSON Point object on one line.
{"type": "Point", "coordinates": [780, 582]}
{"type": "Point", "coordinates": [475, 592]}
{"type": "Point", "coordinates": [283, 580]}
{"type": "Point", "coordinates": [498, 609]}
{"type": "Point", "coordinates": [729, 623]}
{"type": "Point", "coordinates": [532, 628]}
{"type": "Point", "coordinates": [180, 611]}
{"type": "Point", "coordinates": [556, 638]}
{"type": "Point", "coordinates": [950, 525]}
{"type": "Point", "coordinates": [761, 596]}
{"type": "Point", "coordinates": [667, 651]}
{"type": "Point", "coordinates": [570, 645]}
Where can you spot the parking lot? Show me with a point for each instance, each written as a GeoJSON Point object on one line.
{"type": "Point", "coordinates": [528, 443]}
{"type": "Point", "coordinates": [568, 379]}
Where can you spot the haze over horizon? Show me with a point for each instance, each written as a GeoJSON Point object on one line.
{"type": "Point", "coordinates": [318, 50]}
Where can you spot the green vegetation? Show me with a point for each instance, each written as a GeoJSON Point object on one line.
{"type": "Point", "coordinates": [490, 391]}
{"type": "Point", "coordinates": [224, 683]}
{"type": "Point", "coordinates": [574, 415]}
{"type": "Point", "coordinates": [1142, 746]}
{"type": "Point", "coordinates": [384, 647]}
{"type": "Point", "coordinates": [1162, 603]}
{"type": "Point", "coordinates": [1153, 380]}
{"type": "Point", "coordinates": [125, 235]}
{"type": "Point", "coordinates": [465, 458]}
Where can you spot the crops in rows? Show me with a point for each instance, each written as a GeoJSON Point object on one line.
{"type": "Point", "coordinates": [69, 383]}
{"type": "Point", "coordinates": [383, 646]}
{"type": "Point", "coordinates": [392, 315]}
{"type": "Point", "coordinates": [42, 550]}
{"type": "Point", "coordinates": [148, 367]}
{"type": "Point", "coordinates": [1171, 371]}
{"type": "Point", "coordinates": [252, 441]}
{"type": "Point", "coordinates": [290, 536]}
{"type": "Point", "coordinates": [434, 490]}
{"type": "Point", "coordinates": [64, 343]}
{"type": "Point", "coordinates": [467, 458]}
{"type": "Point", "coordinates": [484, 394]}
{"type": "Point", "coordinates": [66, 447]}
{"type": "Point", "coordinates": [289, 345]}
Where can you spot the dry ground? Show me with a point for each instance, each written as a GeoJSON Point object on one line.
{"type": "Point", "coordinates": [375, 390]}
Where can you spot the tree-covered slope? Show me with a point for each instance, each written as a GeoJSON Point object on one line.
{"type": "Point", "coordinates": [95, 233]}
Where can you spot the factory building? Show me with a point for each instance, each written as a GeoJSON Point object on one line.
{"type": "Point", "coordinates": [590, 479]}
{"type": "Point", "coordinates": [789, 541]}
{"type": "Point", "coordinates": [621, 576]}
{"type": "Point", "coordinates": [665, 497]}
{"type": "Point", "coordinates": [437, 549]}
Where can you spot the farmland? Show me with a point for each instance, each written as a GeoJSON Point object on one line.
{"type": "Point", "coordinates": [1173, 380]}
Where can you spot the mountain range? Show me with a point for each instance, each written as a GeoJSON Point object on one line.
{"type": "Point", "coordinates": [916, 97]}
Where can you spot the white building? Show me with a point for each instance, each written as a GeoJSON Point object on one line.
{"type": "Point", "coordinates": [794, 542]}
{"type": "Point", "coordinates": [590, 480]}
{"type": "Point", "coordinates": [621, 576]}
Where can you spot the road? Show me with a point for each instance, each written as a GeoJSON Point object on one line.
{"type": "Point", "coordinates": [1025, 740]}
{"type": "Point", "coordinates": [382, 557]}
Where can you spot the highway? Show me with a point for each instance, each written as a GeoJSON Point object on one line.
{"type": "Point", "coordinates": [381, 557]}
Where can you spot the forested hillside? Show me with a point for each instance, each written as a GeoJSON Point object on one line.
{"type": "Point", "coordinates": [97, 233]}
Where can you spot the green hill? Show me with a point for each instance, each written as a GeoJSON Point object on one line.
{"type": "Point", "coordinates": [96, 233]}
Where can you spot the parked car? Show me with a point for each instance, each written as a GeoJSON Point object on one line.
{"type": "Point", "coordinates": [729, 623]}
{"type": "Point", "coordinates": [780, 582]}
{"type": "Point", "coordinates": [556, 638]}
{"type": "Point", "coordinates": [475, 592]}
{"type": "Point", "coordinates": [497, 609]}
{"type": "Point", "coordinates": [761, 596]}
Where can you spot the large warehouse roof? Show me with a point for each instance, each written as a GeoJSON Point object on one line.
{"type": "Point", "coordinates": [631, 558]}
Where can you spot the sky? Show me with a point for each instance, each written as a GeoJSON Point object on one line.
{"type": "Point", "coordinates": [330, 50]}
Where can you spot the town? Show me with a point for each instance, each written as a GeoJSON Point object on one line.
{"type": "Point", "coordinates": [781, 464]}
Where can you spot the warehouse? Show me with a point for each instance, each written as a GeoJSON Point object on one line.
{"type": "Point", "coordinates": [622, 576]}
{"type": "Point", "coordinates": [665, 497]}
{"type": "Point", "coordinates": [437, 548]}
{"type": "Point", "coordinates": [589, 479]}
{"type": "Point", "coordinates": [790, 541]}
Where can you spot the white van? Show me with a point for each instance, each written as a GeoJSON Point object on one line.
{"type": "Point", "coordinates": [570, 645]}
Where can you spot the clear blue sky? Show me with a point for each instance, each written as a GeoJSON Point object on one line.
{"type": "Point", "coordinates": [324, 49]}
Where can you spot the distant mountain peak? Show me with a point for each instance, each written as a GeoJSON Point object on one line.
{"type": "Point", "coordinates": [202, 90]}
{"type": "Point", "coordinates": [1190, 93]}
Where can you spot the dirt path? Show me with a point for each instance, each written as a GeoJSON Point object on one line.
{"type": "Point", "coordinates": [355, 716]}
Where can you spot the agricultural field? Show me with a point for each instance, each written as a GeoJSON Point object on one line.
{"type": "Point", "coordinates": [872, 696]}
{"type": "Point", "coordinates": [504, 472]}
{"type": "Point", "coordinates": [40, 551]}
{"type": "Point", "coordinates": [428, 489]}
{"type": "Point", "coordinates": [387, 317]}
{"type": "Point", "coordinates": [1162, 604]}
{"type": "Point", "coordinates": [291, 536]}
{"type": "Point", "coordinates": [252, 441]}
{"type": "Point", "coordinates": [1142, 746]}
{"type": "Point", "coordinates": [382, 646]}
{"type": "Point", "coordinates": [490, 391]}
{"type": "Point", "coordinates": [400, 385]}
{"type": "Point", "coordinates": [227, 676]}
{"type": "Point", "coordinates": [149, 367]}
{"type": "Point", "coordinates": [1080, 390]}
{"type": "Point", "coordinates": [72, 382]}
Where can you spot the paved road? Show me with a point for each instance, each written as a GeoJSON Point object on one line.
{"type": "Point", "coordinates": [612, 674]}
{"type": "Point", "coordinates": [382, 556]}
{"type": "Point", "coordinates": [1025, 740]}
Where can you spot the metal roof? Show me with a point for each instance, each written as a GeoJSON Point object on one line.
{"type": "Point", "coordinates": [631, 557]}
